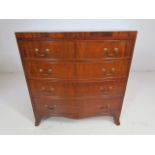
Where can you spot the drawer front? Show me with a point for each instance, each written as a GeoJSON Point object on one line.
{"type": "Point", "coordinates": [57, 107]}
{"type": "Point", "coordinates": [108, 88]}
{"type": "Point", "coordinates": [101, 49]}
{"type": "Point", "coordinates": [55, 89]}
{"type": "Point", "coordinates": [45, 70]}
{"type": "Point", "coordinates": [106, 69]}
{"type": "Point", "coordinates": [98, 106]}
{"type": "Point", "coordinates": [77, 108]}
{"type": "Point", "coordinates": [79, 89]}
{"type": "Point", "coordinates": [47, 49]}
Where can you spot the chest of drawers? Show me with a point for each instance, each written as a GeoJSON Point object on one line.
{"type": "Point", "coordinates": [76, 74]}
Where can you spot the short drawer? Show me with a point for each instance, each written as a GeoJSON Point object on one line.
{"type": "Point", "coordinates": [47, 49]}
{"type": "Point", "coordinates": [103, 69]}
{"type": "Point", "coordinates": [49, 70]}
{"type": "Point", "coordinates": [49, 88]}
{"type": "Point", "coordinates": [101, 49]}
{"type": "Point", "coordinates": [56, 107]}
{"type": "Point", "coordinates": [99, 106]}
{"type": "Point", "coordinates": [108, 88]}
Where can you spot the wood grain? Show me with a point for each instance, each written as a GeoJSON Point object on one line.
{"type": "Point", "coordinates": [76, 74]}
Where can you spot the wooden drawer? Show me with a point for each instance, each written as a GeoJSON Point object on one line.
{"type": "Point", "coordinates": [99, 106]}
{"type": "Point", "coordinates": [56, 107]}
{"type": "Point", "coordinates": [101, 49]}
{"type": "Point", "coordinates": [104, 69]}
{"type": "Point", "coordinates": [77, 108]}
{"type": "Point", "coordinates": [46, 69]}
{"type": "Point", "coordinates": [47, 49]}
{"type": "Point", "coordinates": [77, 89]}
{"type": "Point", "coordinates": [49, 88]}
{"type": "Point", "coordinates": [107, 88]}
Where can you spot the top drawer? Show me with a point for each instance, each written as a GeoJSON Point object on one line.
{"type": "Point", "coordinates": [47, 49]}
{"type": "Point", "coordinates": [101, 49]}
{"type": "Point", "coordinates": [82, 49]}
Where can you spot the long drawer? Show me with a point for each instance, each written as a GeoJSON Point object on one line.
{"type": "Point", "coordinates": [77, 89]}
{"type": "Point", "coordinates": [70, 49]}
{"type": "Point", "coordinates": [83, 70]}
{"type": "Point", "coordinates": [77, 107]}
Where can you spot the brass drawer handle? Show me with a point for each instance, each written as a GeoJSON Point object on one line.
{"type": "Point", "coordinates": [103, 70]}
{"type": "Point", "coordinates": [105, 90]}
{"type": "Point", "coordinates": [104, 107]}
{"type": "Point", "coordinates": [38, 54]}
{"type": "Point", "coordinates": [109, 72]}
{"type": "Point", "coordinates": [51, 90]}
{"type": "Point", "coordinates": [51, 108]}
{"type": "Point", "coordinates": [113, 70]}
{"type": "Point", "coordinates": [46, 73]}
{"type": "Point", "coordinates": [105, 49]}
{"type": "Point", "coordinates": [109, 54]}
{"type": "Point", "coordinates": [110, 88]}
{"type": "Point", "coordinates": [102, 89]}
{"type": "Point", "coordinates": [116, 50]}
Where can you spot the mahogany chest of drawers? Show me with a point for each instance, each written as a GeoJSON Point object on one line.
{"type": "Point", "coordinates": [76, 74]}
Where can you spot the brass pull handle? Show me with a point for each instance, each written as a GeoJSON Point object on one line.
{"type": "Point", "coordinates": [105, 107]}
{"type": "Point", "coordinates": [47, 50]}
{"type": "Point", "coordinates": [105, 49]}
{"type": "Point", "coordinates": [109, 54]}
{"type": "Point", "coordinates": [103, 70]}
{"type": "Point", "coordinates": [43, 88]}
{"type": "Point", "coordinates": [107, 72]}
{"type": "Point", "coordinates": [51, 90]}
{"type": "Point", "coordinates": [105, 90]}
{"type": "Point", "coordinates": [38, 54]}
{"type": "Point", "coordinates": [51, 108]}
{"type": "Point", "coordinates": [110, 88]}
{"type": "Point", "coordinates": [46, 73]}
{"type": "Point", "coordinates": [116, 50]}
{"type": "Point", "coordinates": [102, 89]}
{"type": "Point", "coordinates": [113, 70]}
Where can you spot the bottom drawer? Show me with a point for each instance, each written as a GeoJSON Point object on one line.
{"type": "Point", "coordinates": [77, 108]}
{"type": "Point", "coordinates": [99, 106]}
{"type": "Point", "coordinates": [56, 107]}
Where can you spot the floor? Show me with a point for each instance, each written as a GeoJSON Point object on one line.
{"type": "Point", "coordinates": [138, 113]}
